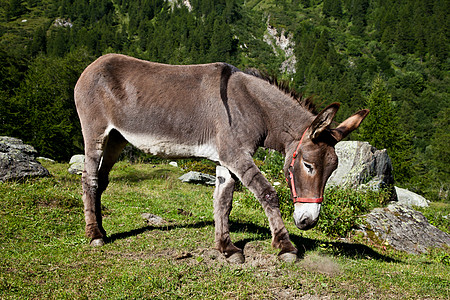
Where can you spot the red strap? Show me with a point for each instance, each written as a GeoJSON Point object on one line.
{"type": "Point", "coordinates": [296, 198]}
{"type": "Point", "coordinates": [298, 147]}
{"type": "Point", "coordinates": [308, 200]}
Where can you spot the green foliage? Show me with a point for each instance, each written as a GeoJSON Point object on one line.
{"type": "Point", "coordinates": [44, 108]}
{"type": "Point", "coordinates": [438, 214]}
{"type": "Point", "coordinates": [285, 200]}
{"type": "Point", "coordinates": [197, 165]}
{"type": "Point", "coordinates": [342, 209]}
{"type": "Point", "coordinates": [440, 153]}
{"type": "Point", "coordinates": [270, 163]}
{"type": "Point", "coordinates": [382, 129]}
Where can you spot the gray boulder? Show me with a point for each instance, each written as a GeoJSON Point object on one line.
{"type": "Point", "coordinates": [409, 198]}
{"type": "Point", "coordinates": [18, 160]}
{"type": "Point", "coordinates": [404, 229]}
{"type": "Point", "coordinates": [198, 178]}
{"type": "Point", "coordinates": [362, 166]}
{"type": "Point", "coordinates": [76, 164]}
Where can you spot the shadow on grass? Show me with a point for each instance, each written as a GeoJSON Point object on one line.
{"type": "Point", "coordinates": [346, 249]}
{"type": "Point", "coordinates": [303, 244]}
{"type": "Point", "coordinates": [133, 175]}
{"type": "Point", "coordinates": [123, 235]}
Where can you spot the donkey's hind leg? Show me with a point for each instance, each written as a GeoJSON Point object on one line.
{"type": "Point", "coordinates": [223, 197]}
{"type": "Point", "coordinates": [98, 164]}
{"type": "Point", "coordinates": [113, 148]}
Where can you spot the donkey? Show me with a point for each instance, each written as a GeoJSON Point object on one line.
{"type": "Point", "coordinates": [213, 111]}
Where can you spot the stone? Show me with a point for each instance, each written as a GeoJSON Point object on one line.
{"type": "Point", "coordinates": [362, 166]}
{"type": "Point", "coordinates": [403, 228]}
{"type": "Point", "coordinates": [174, 164]}
{"type": "Point", "coordinates": [198, 178]}
{"type": "Point", "coordinates": [76, 164]}
{"type": "Point", "coordinates": [18, 160]}
{"type": "Point", "coordinates": [409, 198]}
{"type": "Point", "coordinates": [152, 219]}
{"type": "Point", "coordinates": [46, 159]}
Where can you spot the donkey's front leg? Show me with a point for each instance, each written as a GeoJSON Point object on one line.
{"type": "Point", "coordinates": [252, 178]}
{"type": "Point", "coordinates": [223, 198]}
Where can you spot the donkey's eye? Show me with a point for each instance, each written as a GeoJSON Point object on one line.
{"type": "Point", "coordinates": [309, 167]}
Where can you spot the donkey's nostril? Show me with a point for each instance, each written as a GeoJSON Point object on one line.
{"type": "Point", "coordinates": [306, 215]}
{"type": "Point", "coordinates": [302, 222]}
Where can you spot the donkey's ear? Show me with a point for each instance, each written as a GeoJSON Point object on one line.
{"type": "Point", "coordinates": [323, 120]}
{"type": "Point", "coordinates": [349, 125]}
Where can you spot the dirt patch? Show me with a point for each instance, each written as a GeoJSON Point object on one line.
{"type": "Point", "coordinates": [320, 264]}
{"type": "Point", "coordinates": [254, 257]}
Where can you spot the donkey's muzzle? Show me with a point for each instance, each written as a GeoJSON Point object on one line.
{"type": "Point", "coordinates": [306, 215]}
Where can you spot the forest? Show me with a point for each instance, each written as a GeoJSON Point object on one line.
{"type": "Point", "coordinates": [388, 56]}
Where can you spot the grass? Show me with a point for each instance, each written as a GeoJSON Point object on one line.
{"type": "Point", "coordinates": [44, 254]}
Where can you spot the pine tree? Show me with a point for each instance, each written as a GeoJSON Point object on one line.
{"type": "Point", "coordinates": [382, 129]}
{"type": "Point", "coordinates": [440, 152]}
{"type": "Point", "coordinates": [13, 9]}
{"type": "Point", "coordinates": [332, 8]}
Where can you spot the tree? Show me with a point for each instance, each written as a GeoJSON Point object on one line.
{"type": "Point", "coordinates": [440, 152]}
{"type": "Point", "coordinates": [332, 8]}
{"type": "Point", "coordinates": [45, 110]}
{"type": "Point", "coordinates": [382, 129]}
{"type": "Point", "coordinates": [14, 9]}
{"type": "Point", "coordinates": [39, 42]}
{"type": "Point", "coordinates": [221, 41]}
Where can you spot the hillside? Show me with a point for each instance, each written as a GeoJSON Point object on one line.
{"type": "Point", "coordinates": [389, 56]}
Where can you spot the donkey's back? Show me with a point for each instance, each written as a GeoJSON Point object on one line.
{"type": "Point", "coordinates": [162, 109]}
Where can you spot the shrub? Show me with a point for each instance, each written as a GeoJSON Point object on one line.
{"type": "Point", "coordinates": [342, 209]}
{"type": "Point", "coordinates": [438, 214]}
{"type": "Point", "coordinates": [270, 162]}
{"type": "Point", "coordinates": [198, 165]}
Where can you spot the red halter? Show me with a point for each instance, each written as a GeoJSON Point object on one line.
{"type": "Point", "coordinates": [296, 198]}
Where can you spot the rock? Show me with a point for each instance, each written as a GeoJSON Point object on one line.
{"type": "Point", "coordinates": [18, 160]}
{"type": "Point", "coordinates": [174, 164]}
{"type": "Point", "coordinates": [362, 166]}
{"type": "Point", "coordinates": [282, 41]}
{"type": "Point", "coordinates": [49, 160]}
{"type": "Point", "coordinates": [409, 198]}
{"type": "Point", "coordinates": [198, 178]}
{"type": "Point", "coordinates": [76, 164]}
{"type": "Point", "coordinates": [403, 229]}
{"type": "Point", "coordinates": [152, 219]}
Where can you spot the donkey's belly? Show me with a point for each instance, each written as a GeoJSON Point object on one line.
{"type": "Point", "coordinates": [170, 148]}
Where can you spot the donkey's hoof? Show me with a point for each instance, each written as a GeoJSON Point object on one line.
{"type": "Point", "coordinates": [236, 258]}
{"type": "Point", "coordinates": [289, 257]}
{"type": "Point", "coordinates": [97, 242]}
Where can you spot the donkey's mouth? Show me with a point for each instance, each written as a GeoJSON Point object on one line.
{"type": "Point", "coordinates": [305, 224]}
{"type": "Point", "coordinates": [306, 215]}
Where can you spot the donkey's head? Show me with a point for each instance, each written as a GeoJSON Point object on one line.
{"type": "Point", "coordinates": [312, 162]}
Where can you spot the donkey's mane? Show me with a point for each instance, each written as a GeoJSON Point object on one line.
{"type": "Point", "coordinates": [283, 85]}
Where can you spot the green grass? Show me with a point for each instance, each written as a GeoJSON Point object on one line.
{"type": "Point", "coordinates": [44, 254]}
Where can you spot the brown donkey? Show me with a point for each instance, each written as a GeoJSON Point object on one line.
{"type": "Point", "coordinates": [213, 111]}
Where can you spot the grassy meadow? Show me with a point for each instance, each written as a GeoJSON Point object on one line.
{"type": "Point", "coordinates": [45, 255]}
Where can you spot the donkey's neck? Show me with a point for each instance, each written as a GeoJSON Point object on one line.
{"type": "Point", "coordinates": [285, 118]}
